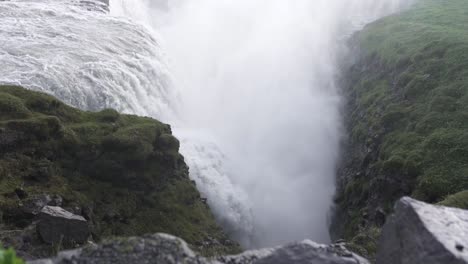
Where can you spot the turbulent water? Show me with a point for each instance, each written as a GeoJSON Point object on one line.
{"type": "Point", "coordinates": [249, 85]}
{"type": "Point", "coordinates": [77, 52]}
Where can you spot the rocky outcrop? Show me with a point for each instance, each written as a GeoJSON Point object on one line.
{"type": "Point", "coordinates": [166, 249]}
{"type": "Point", "coordinates": [420, 233]}
{"type": "Point", "coordinates": [121, 174]}
{"type": "Point", "coordinates": [57, 226]}
{"type": "Point", "coordinates": [158, 248]}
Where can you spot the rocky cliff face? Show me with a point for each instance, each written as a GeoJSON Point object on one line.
{"type": "Point", "coordinates": [407, 131]}
{"type": "Point", "coordinates": [68, 175]}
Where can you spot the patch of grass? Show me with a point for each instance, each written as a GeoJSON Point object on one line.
{"type": "Point", "coordinates": [458, 200]}
{"type": "Point", "coordinates": [365, 242]}
{"type": "Point", "coordinates": [12, 107]}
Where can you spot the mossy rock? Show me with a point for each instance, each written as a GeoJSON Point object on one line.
{"type": "Point", "coordinates": [407, 96]}
{"type": "Point", "coordinates": [123, 172]}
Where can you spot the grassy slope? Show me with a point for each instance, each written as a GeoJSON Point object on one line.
{"type": "Point", "coordinates": [124, 171]}
{"type": "Point", "coordinates": [409, 122]}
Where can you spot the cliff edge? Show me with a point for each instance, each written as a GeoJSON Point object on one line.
{"type": "Point", "coordinates": [67, 175]}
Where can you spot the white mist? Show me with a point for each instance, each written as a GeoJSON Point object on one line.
{"type": "Point", "coordinates": [259, 79]}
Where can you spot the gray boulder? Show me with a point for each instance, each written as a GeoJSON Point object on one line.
{"type": "Point", "coordinates": [305, 252]}
{"type": "Point", "coordinates": [420, 233]}
{"type": "Point", "coordinates": [58, 226]}
{"type": "Point", "coordinates": [158, 248]}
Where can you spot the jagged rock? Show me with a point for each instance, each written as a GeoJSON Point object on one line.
{"type": "Point", "coordinates": [422, 233]}
{"type": "Point", "coordinates": [158, 248]}
{"type": "Point", "coordinates": [35, 204]}
{"type": "Point", "coordinates": [57, 225]}
{"type": "Point", "coordinates": [300, 252]}
{"type": "Point", "coordinates": [166, 249]}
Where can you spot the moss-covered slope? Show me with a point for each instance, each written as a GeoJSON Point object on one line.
{"type": "Point", "coordinates": [408, 117]}
{"type": "Point", "coordinates": [123, 173]}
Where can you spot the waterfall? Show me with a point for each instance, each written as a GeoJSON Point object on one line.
{"type": "Point", "coordinates": [259, 77]}
{"type": "Point", "coordinates": [248, 85]}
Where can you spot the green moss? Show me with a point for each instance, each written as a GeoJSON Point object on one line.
{"type": "Point", "coordinates": [365, 242]}
{"type": "Point", "coordinates": [12, 107]}
{"type": "Point", "coordinates": [124, 171]}
{"type": "Point", "coordinates": [458, 200]}
{"type": "Point", "coordinates": [408, 104]}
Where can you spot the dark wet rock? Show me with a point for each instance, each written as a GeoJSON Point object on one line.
{"type": "Point", "coordinates": [58, 226]}
{"type": "Point", "coordinates": [420, 233]}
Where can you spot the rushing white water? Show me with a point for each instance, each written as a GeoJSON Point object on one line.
{"type": "Point", "coordinates": [250, 88]}
{"type": "Point", "coordinates": [84, 56]}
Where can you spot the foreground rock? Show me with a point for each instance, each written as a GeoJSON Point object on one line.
{"type": "Point", "coordinates": [159, 248]}
{"type": "Point", "coordinates": [58, 226]}
{"type": "Point", "coordinates": [166, 249]}
{"type": "Point", "coordinates": [305, 252]}
{"type": "Point", "coordinates": [417, 233]}
{"type": "Point", "coordinates": [424, 233]}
